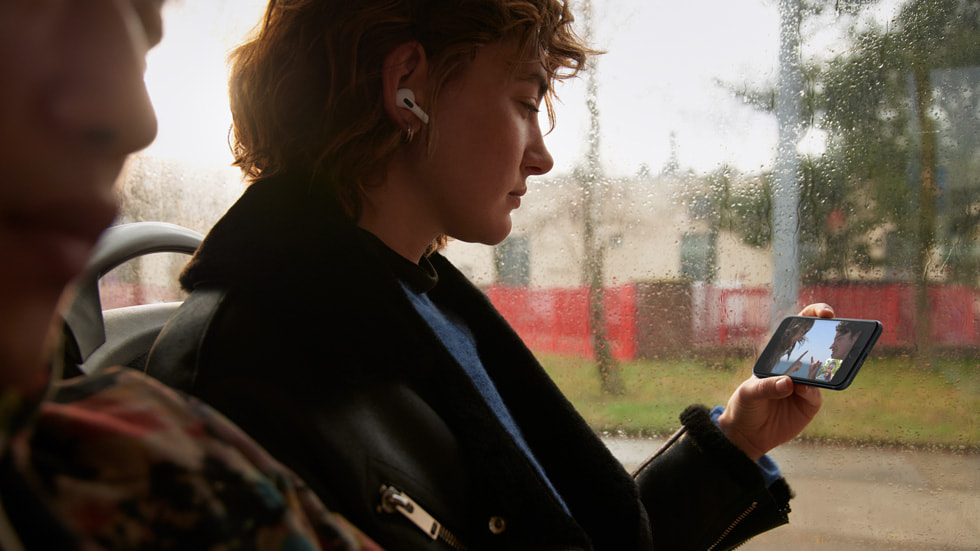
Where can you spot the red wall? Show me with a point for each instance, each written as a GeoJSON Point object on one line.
{"type": "Point", "coordinates": [556, 320]}
{"type": "Point", "coordinates": [953, 310]}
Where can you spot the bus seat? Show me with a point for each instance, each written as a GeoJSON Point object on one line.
{"type": "Point", "coordinates": [96, 339]}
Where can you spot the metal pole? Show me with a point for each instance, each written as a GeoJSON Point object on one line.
{"type": "Point", "coordinates": [786, 191]}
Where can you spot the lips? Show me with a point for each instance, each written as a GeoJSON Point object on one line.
{"type": "Point", "coordinates": [515, 196]}
{"type": "Point", "coordinates": [53, 242]}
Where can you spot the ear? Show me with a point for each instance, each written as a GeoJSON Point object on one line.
{"type": "Point", "coordinates": [404, 67]}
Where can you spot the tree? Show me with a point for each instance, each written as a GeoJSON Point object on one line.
{"type": "Point", "coordinates": [594, 247]}
{"type": "Point", "coordinates": [897, 188]}
{"type": "Point", "coordinates": [886, 106]}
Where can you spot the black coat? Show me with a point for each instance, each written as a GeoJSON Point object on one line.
{"type": "Point", "coordinates": [311, 345]}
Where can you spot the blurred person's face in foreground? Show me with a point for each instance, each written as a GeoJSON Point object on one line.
{"type": "Point", "coordinates": [72, 107]}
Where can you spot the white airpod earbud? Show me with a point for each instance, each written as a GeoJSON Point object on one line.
{"type": "Point", "coordinates": [406, 100]}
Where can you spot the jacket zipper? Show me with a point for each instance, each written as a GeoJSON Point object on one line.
{"type": "Point", "coordinates": [732, 526]}
{"type": "Point", "coordinates": [394, 500]}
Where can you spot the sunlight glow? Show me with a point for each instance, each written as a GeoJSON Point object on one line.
{"type": "Point", "coordinates": [187, 77]}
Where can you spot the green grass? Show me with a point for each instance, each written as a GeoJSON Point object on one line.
{"type": "Point", "coordinates": [892, 401]}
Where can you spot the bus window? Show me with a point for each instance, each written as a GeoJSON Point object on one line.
{"type": "Point", "coordinates": [722, 164]}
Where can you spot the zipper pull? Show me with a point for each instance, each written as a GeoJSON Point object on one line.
{"type": "Point", "coordinates": [393, 500]}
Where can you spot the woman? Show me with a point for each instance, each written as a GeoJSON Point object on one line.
{"type": "Point", "coordinates": [344, 342]}
{"type": "Point", "coordinates": [787, 351]}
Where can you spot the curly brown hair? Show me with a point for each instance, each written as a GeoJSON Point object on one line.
{"type": "Point", "coordinates": [306, 89]}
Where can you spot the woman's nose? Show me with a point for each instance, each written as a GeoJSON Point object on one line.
{"type": "Point", "coordinates": [537, 158]}
{"type": "Point", "coordinates": [99, 95]}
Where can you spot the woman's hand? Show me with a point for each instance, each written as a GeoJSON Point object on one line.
{"type": "Point", "coordinates": [814, 368]}
{"type": "Point", "coordinates": [797, 365]}
{"type": "Point", "coordinates": [764, 413]}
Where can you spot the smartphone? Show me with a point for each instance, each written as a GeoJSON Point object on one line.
{"type": "Point", "coordinates": [824, 352]}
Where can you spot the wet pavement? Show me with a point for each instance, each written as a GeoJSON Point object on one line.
{"type": "Point", "coordinates": [853, 498]}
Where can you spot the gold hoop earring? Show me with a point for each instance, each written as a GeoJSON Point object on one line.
{"type": "Point", "coordinates": [409, 134]}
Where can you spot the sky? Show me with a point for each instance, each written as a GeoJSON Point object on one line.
{"type": "Point", "coordinates": [659, 83]}
{"type": "Point", "coordinates": [659, 76]}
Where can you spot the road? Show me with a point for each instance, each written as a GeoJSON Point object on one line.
{"type": "Point", "coordinates": [853, 498]}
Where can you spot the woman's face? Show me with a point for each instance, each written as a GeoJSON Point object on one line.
{"type": "Point", "coordinates": [486, 141]}
{"type": "Point", "coordinates": [72, 106]}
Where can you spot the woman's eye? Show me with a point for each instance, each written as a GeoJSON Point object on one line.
{"type": "Point", "coordinates": [531, 107]}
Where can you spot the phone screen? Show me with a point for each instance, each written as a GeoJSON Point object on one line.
{"type": "Point", "coordinates": [818, 351]}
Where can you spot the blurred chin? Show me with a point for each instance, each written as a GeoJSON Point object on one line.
{"type": "Point", "coordinates": [24, 337]}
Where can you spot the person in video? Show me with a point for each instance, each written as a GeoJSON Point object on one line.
{"type": "Point", "coordinates": [845, 335]}
{"type": "Point", "coordinates": [344, 342]}
{"type": "Point", "coordinates": [788, 354]}
{"type": "Point", "coordinates": [118, 460]}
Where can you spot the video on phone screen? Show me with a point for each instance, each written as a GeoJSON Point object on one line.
{"type": "Point", "coordinates": [813, 349]}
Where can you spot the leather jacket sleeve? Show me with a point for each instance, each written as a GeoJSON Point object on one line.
{"type": "Point", "coordinates": [702, 492]}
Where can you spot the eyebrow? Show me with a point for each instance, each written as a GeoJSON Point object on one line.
{"type": "Point", "coordinates": [537, 77]}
